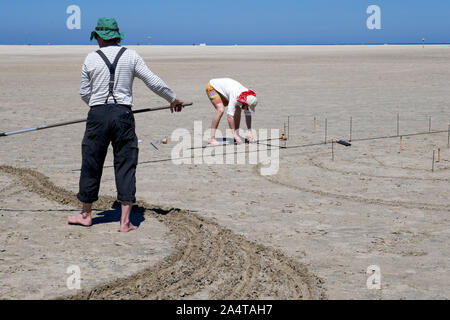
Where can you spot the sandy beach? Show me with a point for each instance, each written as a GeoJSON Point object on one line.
{"type": "Point", "coordinates": [310, 231]}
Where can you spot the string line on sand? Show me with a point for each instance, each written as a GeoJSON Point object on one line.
{"type": "Point", "coordinates": [272, 147]}
{"type": "Point", "coordinates": [370, 138]}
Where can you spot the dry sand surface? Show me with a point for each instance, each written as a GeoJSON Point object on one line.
{"type": "Point", "coordinates": [310, 231]}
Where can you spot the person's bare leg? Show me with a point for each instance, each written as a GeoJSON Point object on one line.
{"type": "Point", "coordinates": [237, 139]}
{"type": "Point", "coordinates": [220, 108]}
{"type": "Point", "coordinates": [125, 224]}
{"type": "Point", "coordinates": [84, 218]}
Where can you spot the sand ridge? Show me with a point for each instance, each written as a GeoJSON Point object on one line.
{"type": "Point", "coordinates": [209, 261]}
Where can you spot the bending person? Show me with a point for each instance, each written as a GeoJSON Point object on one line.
{"type": "Point", "coordinates": [226, 92]}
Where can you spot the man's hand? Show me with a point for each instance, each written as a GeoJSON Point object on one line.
{"type": "Point", "coordinates": [176, 106]}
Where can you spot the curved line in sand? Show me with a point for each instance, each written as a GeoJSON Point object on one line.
{"type": "Point", "coordinates": [207, 258]}
{"type": "Point", "coordinates": [322, 166]}
{"type": "Point", "coordinates": [354, 198]}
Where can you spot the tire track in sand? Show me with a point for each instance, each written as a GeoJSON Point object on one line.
{"type": "Point", "coordinates": [208, 261]}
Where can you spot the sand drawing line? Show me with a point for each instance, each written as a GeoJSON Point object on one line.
{"type": "Point", "coordinates": [322, 166]}
{"type": "Point", "coordinates": [355, 198]}
{"type": "Point", "coordinates": [207, 259]}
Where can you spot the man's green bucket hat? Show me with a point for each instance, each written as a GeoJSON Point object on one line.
{"type": "Point", "coordinates": [107, 29]}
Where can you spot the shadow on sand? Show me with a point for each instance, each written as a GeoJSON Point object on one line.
{"type": "Point", "coordinates": [108, 216]}
{"type": "Point", "coordinates": [113, 215]}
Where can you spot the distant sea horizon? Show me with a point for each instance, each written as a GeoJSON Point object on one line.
{"type": "Point", "coordinates": [237, 44]}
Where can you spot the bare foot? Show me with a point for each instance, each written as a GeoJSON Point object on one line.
{"type": "Point", "coordinates": [127, 227]}
{"type": "Point", "coordinates": [214, 142]}
{"type": "Point", "coordinates": [83, 219]}
{"type": "Point", "coordinates": [237, 140]}
{"type": "Point", "coordinates": [250, 138]}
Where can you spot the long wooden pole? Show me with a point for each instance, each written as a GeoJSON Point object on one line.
{"type": "Point", "coordinates": [60, 124]}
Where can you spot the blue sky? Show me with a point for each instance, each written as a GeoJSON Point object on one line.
{"type": "Point", "coordinates": [229, 22]}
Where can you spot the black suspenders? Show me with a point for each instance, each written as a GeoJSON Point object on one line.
{"type": "Point", "coordinates": [112, 71]}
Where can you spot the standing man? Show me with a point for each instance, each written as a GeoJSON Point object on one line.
{"type": "Point", "coordinates": [226, 92]}
{"type": "Point", "coordinates": [106, 86]}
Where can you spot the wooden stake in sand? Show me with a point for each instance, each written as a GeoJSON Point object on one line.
{"type": "Point", "coordinates": [288, 128]}
{"type": "Point", "coordinates": [351, 129]}
{"type": "Point", "coordinates": [332, 150]}
{"type": "Point", "coordinates": [439, 155]}
{"type": "Point", "coordinates": [284, 137]}
{"type": "Point", "coordinates": [432, 165]}
{"type": "Point", "coordinates": [401, 144]}
{"type": "Point", "coordinates": [315, 125]}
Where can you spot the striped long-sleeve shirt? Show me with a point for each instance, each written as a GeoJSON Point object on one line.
{"type": "Point", "coordinates": [95, 78]}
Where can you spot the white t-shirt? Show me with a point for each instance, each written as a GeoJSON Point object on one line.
{"type": "Point", "coordinates": [230, 89]}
